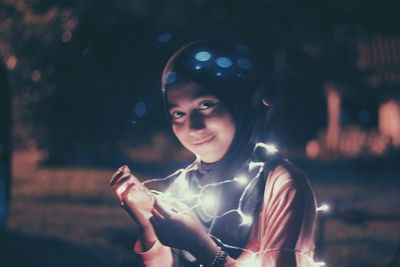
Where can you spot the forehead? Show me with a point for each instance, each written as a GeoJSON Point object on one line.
{"type": "Point", "coordinates": [185, 92]}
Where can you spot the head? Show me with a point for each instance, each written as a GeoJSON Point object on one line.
{"type": "Point", "coordinates": [200, 120]}
{"type": "Point", "coordinates": [210, 94]}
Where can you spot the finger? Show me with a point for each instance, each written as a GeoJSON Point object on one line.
{"type": "Point", "coordinates": [126, 190]}
{"type": "Point", "coordinates": [122, 189]}
{"type": "Point", "coordinates": [121, 180]}
{"type": "Point", "coordinates": [178, 205]}
{"type": "Point", "coordinates": [154, 223]}
{"type": "Point", "coordinates": [162, 209]}
{"type": "Point", "coordinates": [117, 174]}
{"type": "Point", "coordinates": [157, 215]}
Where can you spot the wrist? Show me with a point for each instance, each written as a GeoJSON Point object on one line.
{"type": "Point", "coordinates": [205, 251]}
{"type": "Point", "coordinates": [147, 238]}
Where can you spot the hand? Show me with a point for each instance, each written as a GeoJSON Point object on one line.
{"type": "Point", "coordinates": [182, 231]}
{"type": "Point", "coordinates": [135, 198]}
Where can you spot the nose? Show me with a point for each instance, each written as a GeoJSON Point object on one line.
{"type": "Point", "coordinates": [196, 121]}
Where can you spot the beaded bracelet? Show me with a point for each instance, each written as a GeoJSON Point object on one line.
{"type": "Point", "coordinates": [219, 258]}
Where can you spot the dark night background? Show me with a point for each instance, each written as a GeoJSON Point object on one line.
{"type": "Point", "coordinates": [80, 96]}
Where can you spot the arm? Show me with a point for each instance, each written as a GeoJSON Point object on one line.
{"type": "Point", "coordinates": [138, 202]}
{"type": "Point", "coordinates": [286, 220]}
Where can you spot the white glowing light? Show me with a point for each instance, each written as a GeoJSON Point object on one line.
{"type": "Point", "coordinates": [271, 148]}
{"type": "Point", "coordinates": [319, 263]}
{"type": "Point", "coordinates": [188, 194]}
{"type": "Point", "coordinates": [251, 260]}
{"type": "Point", "coordinates": [242, 180]}
{"type": "Point", "coordinates": [208, 202]}
{"type": "Point", "coordinates": [253, 164]}
{"type": "Point", "coordinates": [246, 220]}
{"type": "Point", "coordinates": [121, 189]}
{"type": "Point", "coordinates": [324, 207]}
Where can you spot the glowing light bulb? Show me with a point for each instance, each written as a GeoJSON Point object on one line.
{"type": "Point", "coordinates": [319, 263]}
{"type": "Point", "coordinates": [241, 180]}
{"type": "Point", "coordinates": [271, 148]}
{"type": "Point", "coordinates": [251, 260]}
{"type": "Point", "coordinates": [184, 191]}
{"type": "Point", "coordinates": [209, 202]}
{"type": "Point", "coordinates": [246, 220]}
{"type": "Point", "coordinates": [253, 164]}
{"type": "Point", "coordinates": [324, 207]}
{"type": "Point", "coordinates": [188, 194]}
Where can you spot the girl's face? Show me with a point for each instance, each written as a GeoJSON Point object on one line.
{"type": "Point", "coordinates": [200, 121]}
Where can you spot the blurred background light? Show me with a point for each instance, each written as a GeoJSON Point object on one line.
{"type": "Point", "coordinates": [223, 62]}
{"type": "Point", "coordinates": [165, 37]}
{"type": "Point", "coordinates": [244, 63]}
{"type": "Point", "coordinates": [202, 56]}
{"type": "Point", "coordinates": [140, 109]}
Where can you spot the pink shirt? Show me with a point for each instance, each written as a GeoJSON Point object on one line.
{"type": "Point", "coordinates": [285, 224]}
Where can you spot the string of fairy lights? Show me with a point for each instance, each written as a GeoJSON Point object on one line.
{"type": "Point", "coordinates": [209, 203]}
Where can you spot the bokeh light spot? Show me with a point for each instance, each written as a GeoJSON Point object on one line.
{"type": "Point", "coordinates": [223, 62]}
{"type": "Point", "coordinates": [36, 76]}
{"type": "Point", "coordinates": [66, 36]}
{"type": "Point", "coordinates": [165, 37]}
{"type": "Point", "coordinates": [11, 62]}
{"type": "Point", "coordinates": [171, 78]}
{"type": "Point", "coordinates": [202, 56]}
{"type": "Point", "coordinates": [243, 50]}
{"type": "Point", "coordinates": [343, 116]}
{"type": "Point", "coordinates": [86, 50]}
{"type": "Point", "coordinates": [364, 115]}
{"type": "Point", "coordinates": [312, 149]}
{"type": "Point", "coordinates": [140, 109]}
{"type": "Point", "coordinates": [244, 63]}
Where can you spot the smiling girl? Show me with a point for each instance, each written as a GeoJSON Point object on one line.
{"type": "Point", "coordinates": [239, 203]}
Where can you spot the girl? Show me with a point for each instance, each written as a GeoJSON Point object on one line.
{"type": "Point", "coordinates": [239, 203]}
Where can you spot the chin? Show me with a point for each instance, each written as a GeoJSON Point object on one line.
{"type": "Point", "coordinates": [210, 159]}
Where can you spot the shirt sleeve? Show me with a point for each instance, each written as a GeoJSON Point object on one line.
{"type": "Point", "coordinates": [158, 255]}
{"type": "Point", "coordinates": [283, 233]}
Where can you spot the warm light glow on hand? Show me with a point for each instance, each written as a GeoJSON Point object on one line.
{"type": "Point", "coordinates": [208, 201]}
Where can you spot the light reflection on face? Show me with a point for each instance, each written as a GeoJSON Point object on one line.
{"type": "Point", "coordinates": [200, 121]}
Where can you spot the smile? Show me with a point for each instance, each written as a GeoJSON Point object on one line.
{"type": "Point", "coordinates": [203, 141]}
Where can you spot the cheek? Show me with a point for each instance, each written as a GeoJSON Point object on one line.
{"type": "Point", "coordinates": [225, 126]}
{"type": "Point", "coordinates": [179, 132]}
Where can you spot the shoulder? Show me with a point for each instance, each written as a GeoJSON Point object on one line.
{"type": "Point", "coordinates": [286, 177]}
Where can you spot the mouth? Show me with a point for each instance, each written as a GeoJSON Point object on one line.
{"type": "Point", "coordinates": [203, 141]}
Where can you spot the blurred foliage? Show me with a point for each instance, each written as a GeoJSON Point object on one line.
{"type": "Point", "coordinates": [78, 68]}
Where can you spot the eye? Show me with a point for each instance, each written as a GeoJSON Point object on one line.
{"type": "Point", "coordinates": [206, 104]}
{"type": "Point", "coordinates": [177, 114]}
